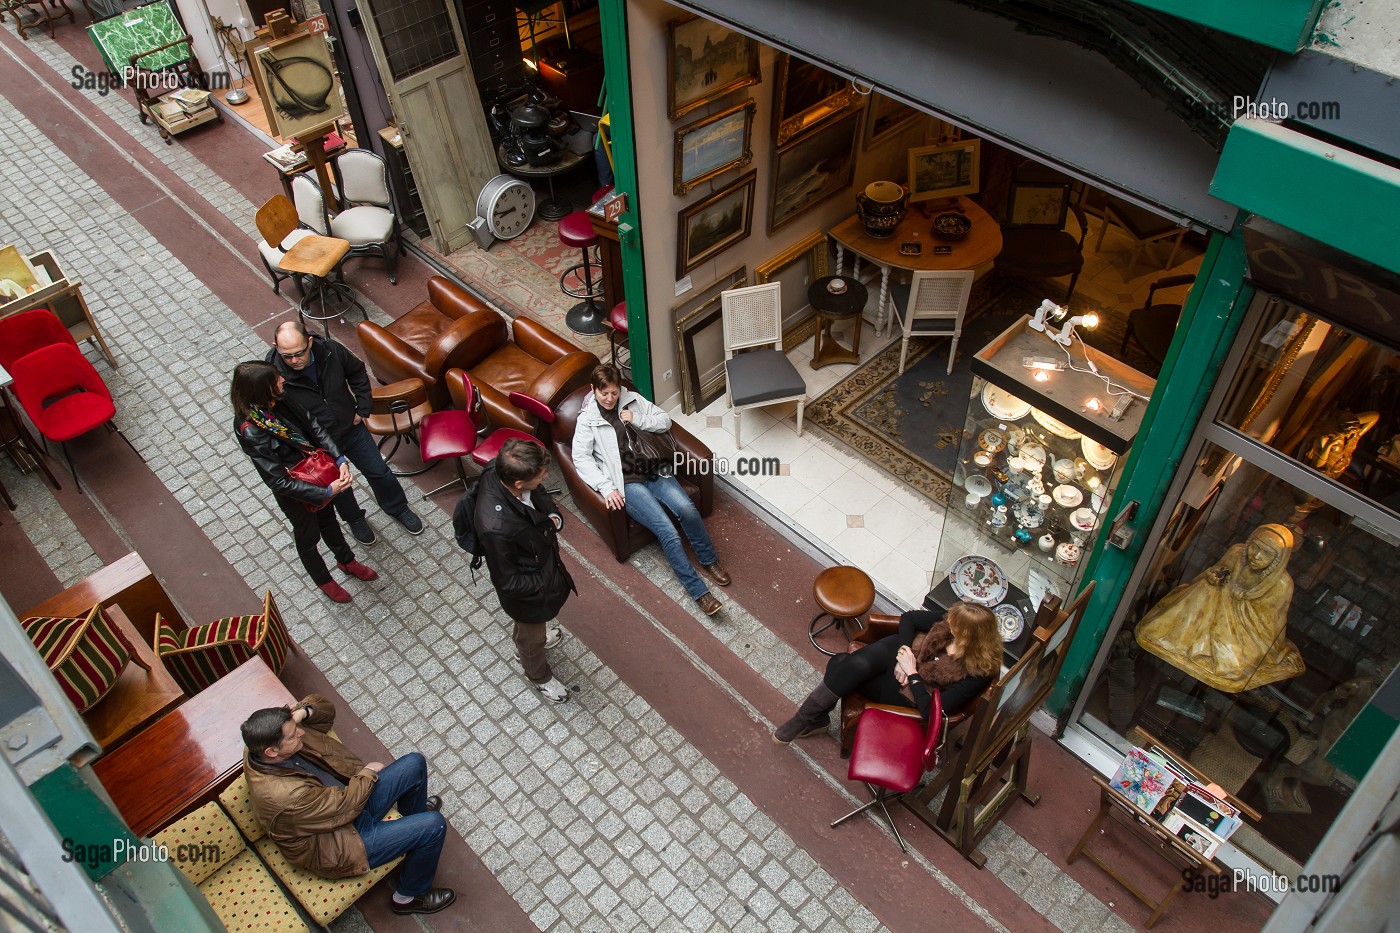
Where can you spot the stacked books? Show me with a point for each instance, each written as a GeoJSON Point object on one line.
{"type": "Point", "coordinates": [1169, 793]}
{"type": "Point", "coordinates": [191, 100]}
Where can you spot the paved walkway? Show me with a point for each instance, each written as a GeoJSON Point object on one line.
{"type": "Point", "coordinates": [652, 799]}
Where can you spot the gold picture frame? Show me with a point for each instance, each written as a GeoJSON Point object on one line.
{"type": "Point", "coordinates": [945, 170]}
{"type": "Point", "coordinates": [714, 145]}
{"type": "Point", "coordinates": [702, 385]}
{"type": "Point", "coordinates": [704, 62]}
{"type": "Point", "coordinates": [812, 248]}
{"type": "Point", "coordinates": [712, 225]}
{"type": "Point", "coordinates": [804, 95]}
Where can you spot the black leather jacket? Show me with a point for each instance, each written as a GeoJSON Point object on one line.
{"type": "Point", "coordinates": [521, 547]}
{"type": "Point", "coordinates": [272, 455]}
{"type": "Point", "coordinates": [341, 389]}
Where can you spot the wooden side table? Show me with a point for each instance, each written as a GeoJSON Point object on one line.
{"type": "Point", "coordinates": [846, 304]}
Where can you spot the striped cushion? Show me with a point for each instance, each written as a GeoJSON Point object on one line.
{"type": "Point", "coordinates": [85, 655]}
{"type": "Point", "coordinates": [200, 656]}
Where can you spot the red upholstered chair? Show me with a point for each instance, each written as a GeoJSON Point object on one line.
{"type": "Point", "coordinates": [892, 751]}
{"type": "Point", "coordinates": [586, 317]}
{"type": "Point", "coordinates": [461, 388]}
{"type": "Point", "coordinates": [447, 434]}
{"type": "Point", "coordinates": [21, 334]}
{"type": "Point", "coordinates": [454, 330]}
{"type": "Point", "coordinates": [63, 395]}
{"type": "Point", "coordinates": [617, 325]}
{"type": "Point", "coordinates": [199, 656]}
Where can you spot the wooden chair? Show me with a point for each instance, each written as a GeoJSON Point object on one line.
{"type": "Point", "coordinates": [1154, 325]}
{"type": "Point", "coordinates": [753, 319]}
{"type": "Point", "coordinates": [1040, 247]}
{"type": "Point", "coordinates": [281, 230]}
{"type": "Point", "coordinates": [933, 304]}
{"type": "Point", "coordinates": [1143, 226]}
{"type": "Point", "coordinates": [395, 412]}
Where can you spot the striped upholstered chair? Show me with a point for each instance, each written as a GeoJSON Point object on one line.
{"type": "Point", "coordinates": [199, 656]}
{"type": "Point", "coordinates": [86, 654]}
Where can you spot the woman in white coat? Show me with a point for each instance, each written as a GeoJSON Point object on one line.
{"type": "Point", "coordinates": [647, 491]}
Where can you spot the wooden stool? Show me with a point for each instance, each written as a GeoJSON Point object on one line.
{"type": "Point", "coordinates": [845, 594]}
{"type": "Point", "coordinates": [317, 257]}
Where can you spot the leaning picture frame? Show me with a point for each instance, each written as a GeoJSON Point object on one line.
{"type": "Point", "coordinates": [712, 225]}
{"type": "Point", "coordinates": [785, 266]}
{"type": "Point", "coordinates": [714, 145]}
{"type": "Point", "coordinates": [1038, 204]}
{"type": "Point", "coordinates": [699, 346]}
{"type": "Point", "coordinates": [811, 169]}
{"type": "Point", "coordinates": [944, 170]}
{"type": "Point", "coordinates": [805, 95]}
{"type": "Point", "coordinates": [885, 117]}
{"type": "Point", "coordinates": [704, 62]}
{"type": "Point", "coordinates": [301, 84]}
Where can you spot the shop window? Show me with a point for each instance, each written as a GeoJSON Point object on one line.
{"type": "Point", "coordinates": [417, 34]}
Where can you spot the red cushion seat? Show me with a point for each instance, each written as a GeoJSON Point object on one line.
{"type": "Point", "coordinates": [577, 230]}
{"type": "Point", "coordinates": [446, 434]}
{"type": "Point", "coordinates": [618, 317]}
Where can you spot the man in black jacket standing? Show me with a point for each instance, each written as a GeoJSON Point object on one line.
{"type": "Point", "coordinates": [331, 383]}
{"type": "Point", "coordinates": [516, 526]}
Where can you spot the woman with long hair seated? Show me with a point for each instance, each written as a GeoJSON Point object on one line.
{"type": "Point", "coordinates": [277, 433]}
{"type": "Point", "coordinates": [647, 491]}
{"type": "Point", "coordinates": [959, 655]}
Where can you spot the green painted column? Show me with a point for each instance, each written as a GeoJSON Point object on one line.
{"type": "Point", "coordinates": [1208, 324]}
{"type": "Point", "coordinates": [612, 16]}
{"type": "Point", "coordinates": [1286, 25]}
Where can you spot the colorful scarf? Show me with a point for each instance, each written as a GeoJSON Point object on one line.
{"type": "Point", "coordinates": [269, 423]}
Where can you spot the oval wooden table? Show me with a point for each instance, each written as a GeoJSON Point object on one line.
{"type": "Point", "coordinates": [981, 246]}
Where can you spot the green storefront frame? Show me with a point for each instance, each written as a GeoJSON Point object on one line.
{"type": "Point", "coordinates": [1286, 25]}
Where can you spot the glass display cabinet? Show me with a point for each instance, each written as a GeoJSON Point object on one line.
{"type": "Point", "coordinates": [1047, 427]}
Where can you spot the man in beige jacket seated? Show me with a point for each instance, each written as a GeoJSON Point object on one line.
{"type": "Point", "coordinates": [324, 808]}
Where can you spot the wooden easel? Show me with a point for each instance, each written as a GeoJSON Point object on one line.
{"type": "Point", "coordinates": [313, 143]}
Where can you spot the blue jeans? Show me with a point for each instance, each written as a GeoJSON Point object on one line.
{"type": "Point", "coordinates": [359, 448]}
{"type": "Point", "coordinates": [417, 836]}
{"type": "Point", "coordinates": [648, 502]}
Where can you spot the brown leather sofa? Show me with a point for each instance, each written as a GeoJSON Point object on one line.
{"type": "Point", "coordinates": [454, 329]}
{"type": "Point", "coordinates": [615, 527]}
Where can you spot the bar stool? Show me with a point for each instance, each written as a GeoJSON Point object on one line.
{"type": "Point", "coordinates": [617, 323]}
{"type": "Point", "coordinates": [317, 257]}
{"type": "Point", "coordinates": [844, 595]}
{"type": "Point", "coordinates": [586, 317]}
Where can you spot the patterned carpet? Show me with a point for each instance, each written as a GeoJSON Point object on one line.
{"type": "Point", "coordinates": [910, 426]}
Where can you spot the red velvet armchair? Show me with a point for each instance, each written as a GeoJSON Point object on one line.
{"type": "Point", "coordinates": [620, 532]}
{"type": "Point", "coordinates": [452, 329]}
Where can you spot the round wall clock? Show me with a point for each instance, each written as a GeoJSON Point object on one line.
{"type": "Point", "coordinates": [504, 210]}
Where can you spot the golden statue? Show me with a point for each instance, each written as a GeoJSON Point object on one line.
{"type": "Point", "coordinates": [1227, 628]}
{"type": "Point", "coordinates": [1330, 451]}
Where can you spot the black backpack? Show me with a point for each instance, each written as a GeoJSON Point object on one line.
{"type": "Point", "coordinates": [464, 527]}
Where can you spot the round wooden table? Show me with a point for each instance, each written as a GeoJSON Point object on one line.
{"type": "Point", "coordinates": [980, 246]}
{"type": "Point", "coordinates": [831, 308]}
{"type": "Point", "coordinates": [552, 207]}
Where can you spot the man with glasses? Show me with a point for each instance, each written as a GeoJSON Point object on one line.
{"type": "Point", "coordinates": [332, 384]}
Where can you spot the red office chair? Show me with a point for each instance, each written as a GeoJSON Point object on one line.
{"type": "Point", "coordinates": [891, 753]}
{"type": "Point", "coordinates": [21, 334]}
{"type": "Point", "coordinates": [488, 446]}
{"type": "Point", "coordinates": [63, 396]}
{"type": "Point", "coordinates": [443, 434]}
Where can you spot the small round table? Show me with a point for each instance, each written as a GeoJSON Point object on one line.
{"type": "Point", "coordinates": [831, 308]}
{"type": "Point", "coordinates": [552, 208]}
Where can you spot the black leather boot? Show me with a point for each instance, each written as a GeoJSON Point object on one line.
{"type": "Point", "coordinates": [812, 716]}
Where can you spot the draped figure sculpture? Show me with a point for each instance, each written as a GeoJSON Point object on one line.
{"type": "Point", "coordinates": [1228, 627]}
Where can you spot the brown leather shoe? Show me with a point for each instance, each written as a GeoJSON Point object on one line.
{"type": "Point", "coordinates": [717, 573]}
{"type": "Point", "coordinates": [708, 604]}
{"type": "Point", "coordinates": [429, 903]}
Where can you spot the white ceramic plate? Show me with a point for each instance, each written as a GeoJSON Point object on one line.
{"type": "Point", "coordinates": [1067, 496]}
{"type": "Point", "coordinates": [1028, 514]}
{"type": "Point", "coordinates": [1035, 456]}
{"type": "Point", "coordinates": [978, 580]}
{"type": "Point", "coordinates": [1099, 456]}
{"type": "Point", "coordinates": [1002, 404]}
{"type": "Point", "coordinates": [1010, 622]}
{"type": "Point", "coordinates": [1083, 519]}
{"type": "Point", "coordinates": [1057, 428]}
{"type": "Point", "coordinates": [1067, 553]}
{"type": "Point", "coordinates": [978, 484]}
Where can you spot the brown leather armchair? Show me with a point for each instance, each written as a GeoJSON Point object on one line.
{"type": "Point", "coordinates": [454, 329]}
{"type": "Point", "coordinates": [615, 527]}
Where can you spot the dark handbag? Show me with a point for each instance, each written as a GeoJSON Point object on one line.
{"type": "Point", "coordinates": [651, 451]}
{"type": "Point", "coordinates": [319, 469]}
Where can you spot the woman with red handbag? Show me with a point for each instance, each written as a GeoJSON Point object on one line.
{"type": "Point", "coordinates": [300, 464]}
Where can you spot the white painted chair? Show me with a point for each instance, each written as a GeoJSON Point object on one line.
{"type": "Point", "coordinates": [933, 304]}
{"type": "Point", "coordinates": [753, 318]}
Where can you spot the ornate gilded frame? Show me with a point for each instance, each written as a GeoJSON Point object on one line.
{"type": "Point", "coordinates": [789, 122]}
{"type": "Point", "coordinates": [676, 31]}
{"type": "Point", "coordinates": [742, 157]}
{"type": "Point", "coordinates": [688, 255]}
{"type": "Point", "coordinates": [692, 317]}
{"type": "Point", "coordinates": [813, 248]}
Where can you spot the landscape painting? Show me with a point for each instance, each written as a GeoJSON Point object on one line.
{"type": "Point", "coordinates": [813, 169]}
{"type": "Point", "coordinates": [705, 61]}
{"type": "Point", "coordinates": [709, 227]}
{"type": "Point", "coordinates": [714, 145]}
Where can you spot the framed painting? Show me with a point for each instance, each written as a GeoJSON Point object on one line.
{"type": "Point", "coordinates": [699, 325]}
{"type": "Point", "coordinates": [805, 95]}
{"type": "Point", "coordinates": [1038, 204]}
{"type": "Point", "coordinates": [704, 62]}
{"type": "Point", "coordinates": [711, 226]}
{"type": "Point", "coordinates": [303, 90]}
{"type": "Point", "coordinates": [884, 117]}
{"type": "Point", "coordinates": [945, 170]}
{"type": "Point", "coordinates": [714, 145]}
{"type": "Point", "coordinates": [812, 169]}
{"type": "Point", "coordinates": [796, 267]}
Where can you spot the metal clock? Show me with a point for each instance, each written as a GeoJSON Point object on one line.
{"type": "Point", "coordinates": [504, 210]}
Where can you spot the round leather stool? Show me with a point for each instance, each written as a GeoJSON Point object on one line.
{"type": "Point", "coordinates": [844, 594]}
{"type": "Point", "coordinates": [586, 317]}
{"type": "Point", "coordinates": [617, 321]}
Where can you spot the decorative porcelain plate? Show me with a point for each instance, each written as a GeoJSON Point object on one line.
{"type": "Point", "coordinates": [991, 441]}
{"type": "Point", "coordinates": [1016, 490]}
{"type": "Point", "coordinates": [978, 484]}
{"type": "Point", "coordinates": [1067, 553]}
{"type": "Point", "coordinates": [1099, 456]}
{"type": "Point", "coordinates": [1083, 519]}
{"type": "Point", "coordinates": [1002, 404]}
{"type": "Point", "coordinates": [1010, 622]}
{"type": "Point", "coordinates": [1035, 456]}
{"type": "Point", "coordinates": [978, 580]}
{"type": "Point", "coordinates": [1067, 496]}
{"type": "Point", "coordinates": [1028, 514]}
{"type": "Point", "coordinates": [1057, 428]}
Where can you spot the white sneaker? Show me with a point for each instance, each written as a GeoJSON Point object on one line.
{"type": "Point", "coordinates": [554, 636]}
{"type": "Point", "coordinates": [553, 690]}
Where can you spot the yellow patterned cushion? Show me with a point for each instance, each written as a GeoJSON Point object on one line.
{"type": "Point", "coordinates": [202, 842]}
{"type": "Point", "coordinates": [322, 898]}
{"type": "Point", "coordinates": [247, 899]}
{"type": "Point", "coordinates": [239, 806]}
